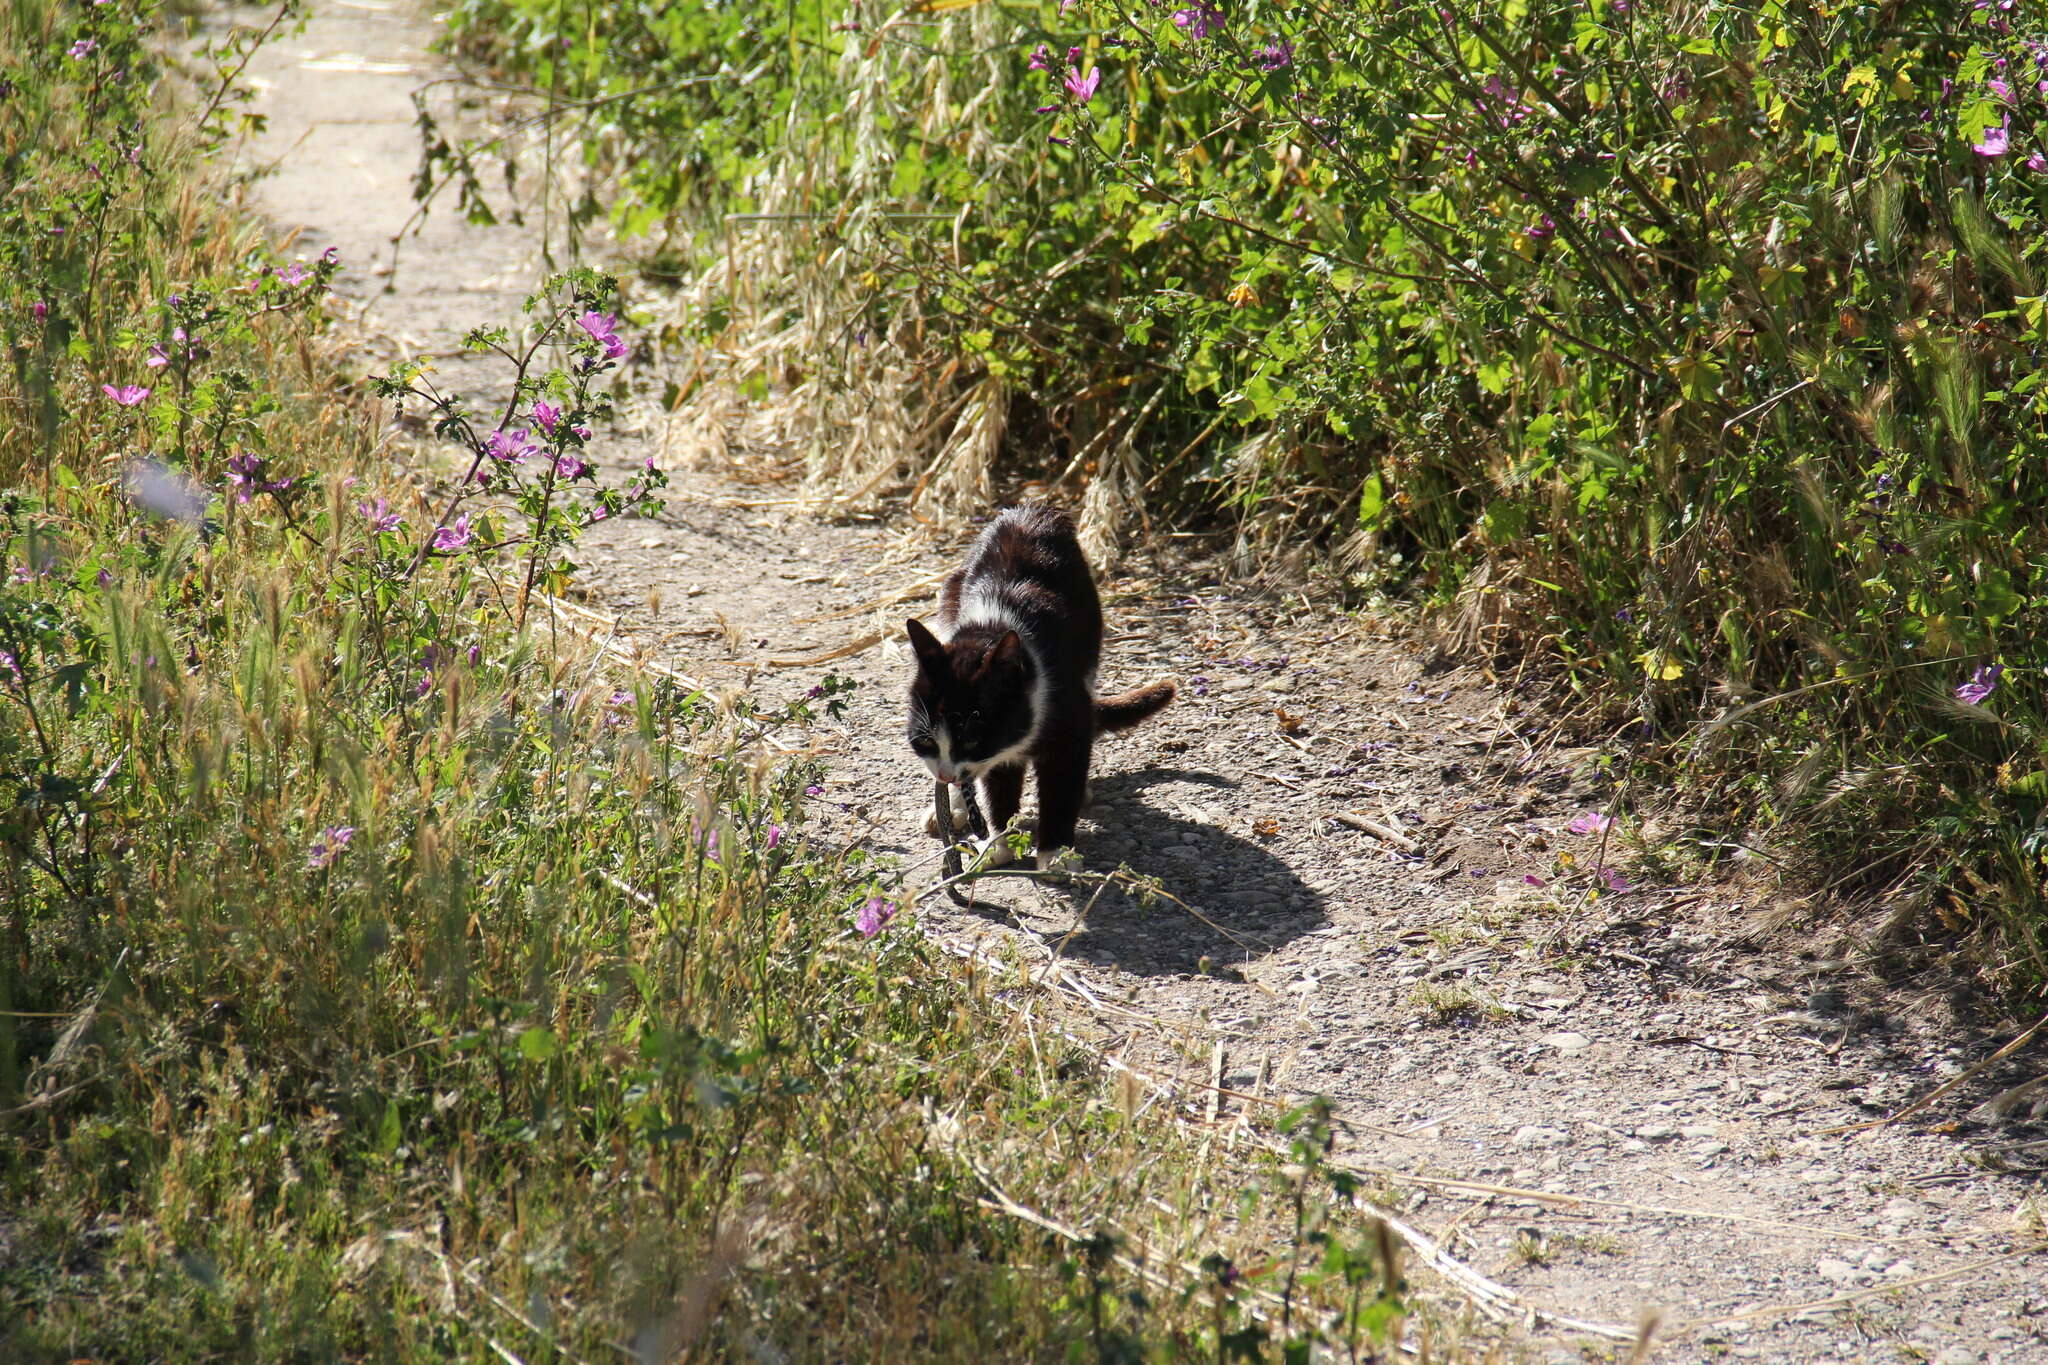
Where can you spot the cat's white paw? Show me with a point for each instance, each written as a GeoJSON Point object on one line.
{"type": "Point", "coordinates": [959, 800]}
{"type": "Point", "coordinates": [1066, 859]}
{"type": "Point", "coordinates": [994, 851]}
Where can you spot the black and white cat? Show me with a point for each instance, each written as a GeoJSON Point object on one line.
{"type": "Point", "coordinates": [1007, 676]}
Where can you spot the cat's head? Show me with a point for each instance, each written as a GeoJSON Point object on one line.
{"type": "Point", "coordinates": [971, 702]}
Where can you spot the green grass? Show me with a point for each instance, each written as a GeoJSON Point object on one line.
{"type": "Point", "coordinates": [1688, 355]}
{"type": "Point", "coordinates": [569, 1046]}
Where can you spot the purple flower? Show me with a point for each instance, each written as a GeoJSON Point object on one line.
{"type": "Point", "coordinates": [2000, 89]}
{"type": "Point", "coordinates": [814, 790]}
{"type": "Point", "coordinates": [158, 357]}
{"type": "Point", "coordinates": [603, 328]}
{"type": "Point", "coordinates": [10, 667]}
{"type": "Point", "coordinates": [1041, 60]}
{"type": "Point", "coordinates": [870, 918]}
{"type": "Point", "coordinates": [508, 447]}
{"type": "Point", "coordinates": [1611, 879]}
{"type": "Point", "coordinates": [2037, 163]}
{"type": "Point", "coordinates": [1997, 141]}
{"type": "Point", "coordinates": [1503, 102]}
{"type": "Point", "coordinates": [330, 256]}
{"type": "Point", "coordinates": [1531, 879]}
{"type": "Point", "coordinates": [293, 274]}
{"type": "Point", "coordinates": [1592, 822]}
{"type": "Point", "coordinates": [245, 476]}
{"type": "Point", "coordinates": [40, 309]}
{"type": "Point", "coordinates": [1274, 57]}
{"type": "Point", "coordinates": [545, 415]}
{"type": "Point", "coordinates": [569, 467]}
{"type": "Point", "coordinates": [1981, 684]}
{"type": "Point", "coordinates": [83, 46]}
{"type": "Point", "coordinates": [128, 395]}
{"type": "Point", "coordinates": [1544, 229]}
{"type": "Point", "coordinates": [774, 836]}
{"type": "Point", "coordinates": [1199, 21]}
{"type": "Point", "coordinates": [455, 534]}
{"type": "Point", "coordinates": [382, 519]}
{"type": "Point", "coordinates": [331, 842]}
{"type": "Point", "coordinates": [1082, 87]}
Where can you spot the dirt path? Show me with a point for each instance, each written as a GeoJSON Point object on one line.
{"type": "Point", "coordinates": [1604, 1103]}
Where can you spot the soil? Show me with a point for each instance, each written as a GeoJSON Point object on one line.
{"type": "Point", "coordinates": [1606, 1102]}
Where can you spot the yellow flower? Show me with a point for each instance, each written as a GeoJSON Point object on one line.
{"type": "Point", "coordinates": [1243, 294]}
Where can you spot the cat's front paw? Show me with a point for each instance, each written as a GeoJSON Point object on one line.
{"type": "Point", "coordinates": [1064, 859]}
{"type": "Point", "coordinates": [993, 852]}
{"type": "Point", "coordinates": [958, 800]}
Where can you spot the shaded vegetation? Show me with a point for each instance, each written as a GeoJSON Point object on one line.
{"type": "Point", "coordinates": [1692, 348]}
{"type": "Point", "coordinates": [384, 980]}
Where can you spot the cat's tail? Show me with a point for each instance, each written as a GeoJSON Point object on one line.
{"type": "Point", "coordinates": [1127, 709]}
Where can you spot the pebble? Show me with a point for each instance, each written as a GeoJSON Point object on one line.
{"type": "Point", "coordinates": [1837, 1272]}
{"type": "Point", "coordinates": [1697, 1130]}
{"type": "Point", "coordinates": [1566, 1041]}
{"type": "Point", "coordinates": [1529, 1135]}
{"type": "Point", "coordinates": [1278, 683]}
{"type": "Point", "coordinates": [1656, 1132]}
{"type": "Point", "coordinates": [1957, 1355]}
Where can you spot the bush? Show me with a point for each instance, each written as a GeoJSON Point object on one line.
{"type": "Point", "coordinates": [1691, 347]}
{"type": "Point", "coordinates": [382, 985]}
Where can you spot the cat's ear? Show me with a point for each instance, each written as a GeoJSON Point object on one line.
{"type": "Point", "coordinates": [1007, 652]}
{"type": "Point", "coordinates": [931, 655]}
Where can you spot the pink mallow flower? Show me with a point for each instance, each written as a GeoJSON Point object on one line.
{"type": "Point", "coordinates": [545, 415]}
{"type": "Point", "coordinates": [329, 845]}
{"type": "Point", "coordinates": [508, 447]}
{"type": "Point", "coordinates": [127, 395]}
{"type": "Point", "coordinates": [380, 516]}
{"type": "Point", "coordinates": [455, 534]}
{"type": "Point", "coordinates": [872, 916]}
{"type": "Point", "coordinates": [603, 328]}
{"type": "Point", "coordinates": [1082, 87]}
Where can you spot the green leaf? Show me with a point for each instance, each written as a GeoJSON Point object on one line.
{"type": "Point", "coordinates": [537, 1044]}
{"type": "Point", "coordinates": [389, 1130]}
{"type": "Point", "coordinates": [1372, 504]}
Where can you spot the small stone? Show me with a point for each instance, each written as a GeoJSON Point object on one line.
{"type": "Point", "coordinates": [1278, 683]}
{"type": "Point", "coordinates": [1706, 1149]}
{"type": "Point", "coordinates": [1566, 1041]}
{"type": "Point", "coordinates": [1957, 1355]}
{"type": "Point", "coordinates": [1529, 1135]}
{"type": "Point", "coordinates": [1899, 1270]}
{"type": "Point", "coordinates": [1656, 1132]}
{"type": "Point", "coordinates": [1697, 1130]}
{"type": "Point", "coordinates": [1774, 1098]}
{"type": "Point", "coordinates": [1836, 1272]}
{"type": "Point", "coordinates": [1635, 1145]}
{"type": "Point", "coordinates": [1236, 685]}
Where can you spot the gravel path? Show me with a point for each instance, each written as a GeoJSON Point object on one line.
{"type": "Point", "coordinates": [1604, 1103]}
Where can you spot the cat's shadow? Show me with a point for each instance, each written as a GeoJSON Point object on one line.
{"type": "Point", "coordinates": [1240, 901]}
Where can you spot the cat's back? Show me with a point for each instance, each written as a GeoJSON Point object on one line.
{"type": "Point", "coordinates": [1027, 572]}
